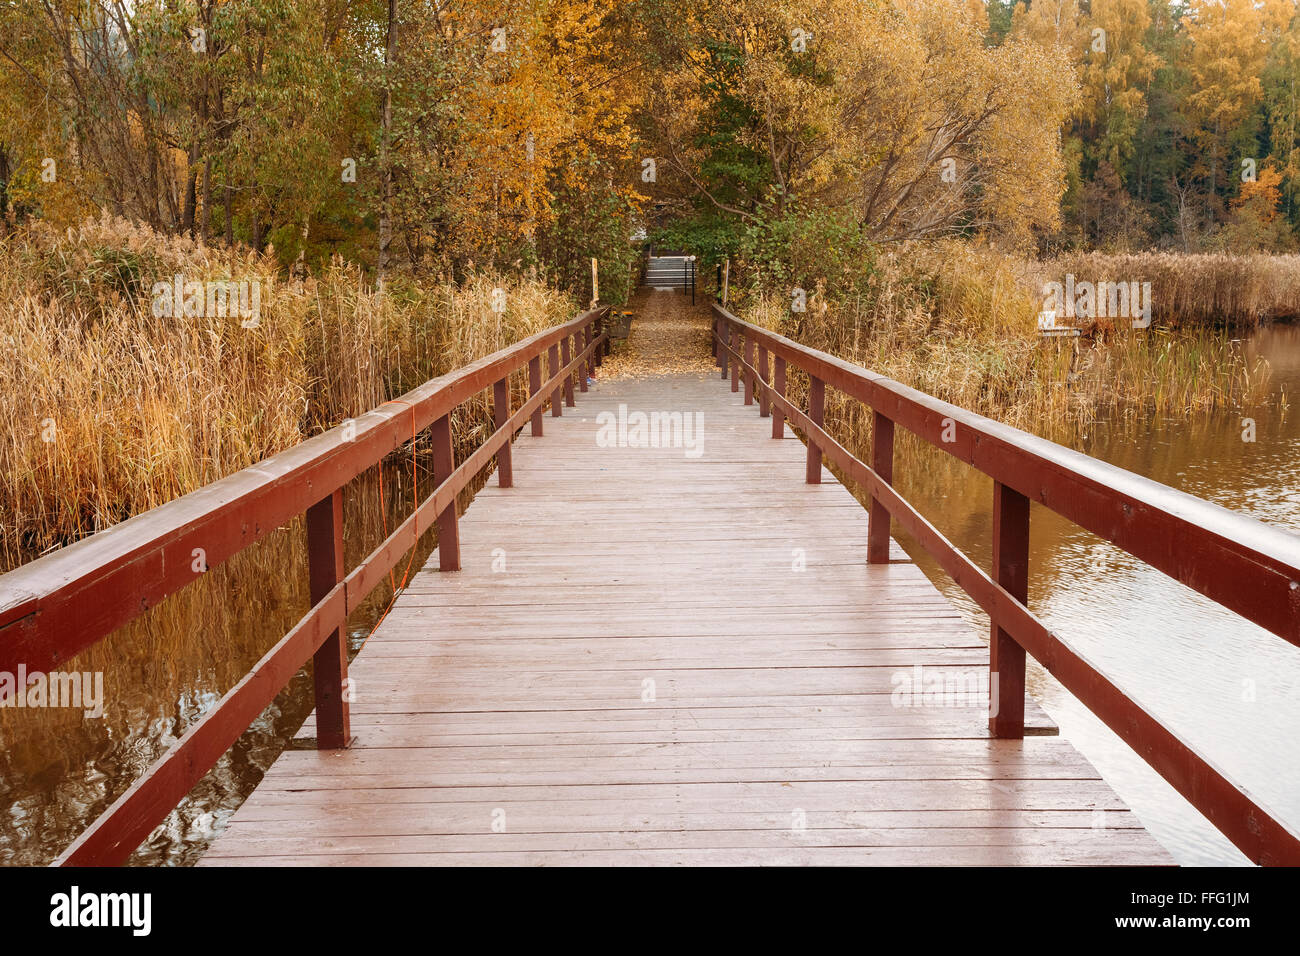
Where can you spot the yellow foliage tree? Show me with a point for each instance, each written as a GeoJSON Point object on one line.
{"type": "Point", "coordinates": [1254, 222]}
{"type": "Point", "coordinates": [1115, 69]}
{"type": "Point", "coordinates": [534, 97]}
{"type": "Point", "coordinates": [898, 113]}
{"type": "Point", "coordinates": [1229, 45]}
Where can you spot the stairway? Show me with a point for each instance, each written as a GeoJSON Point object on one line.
{"type": "Point", "coordinates": [668, 272]}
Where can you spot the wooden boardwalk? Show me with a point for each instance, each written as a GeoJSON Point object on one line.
{"type": "Point", "coordinates": [653, 658]}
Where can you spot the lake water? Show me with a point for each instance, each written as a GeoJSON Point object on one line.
{"type": "Point", "coordinates": [1226, 686]}
{"type": "Point", "coordinates": [59, 770]}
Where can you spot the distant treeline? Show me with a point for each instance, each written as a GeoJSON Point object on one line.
{"type": "Point", "coordinates": [513, 134]}
{"type": "Point", "coordinates": [447, 137]}
{"type": "Point", "coordinates": [1186, 134]}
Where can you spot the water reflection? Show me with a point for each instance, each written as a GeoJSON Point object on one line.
{"type": "Point", "coordinates": [59, 770]}
{"type": "Point", "coordinates": [1227, 686]}
{"type": "Point", "coordinates": [1224, 684]}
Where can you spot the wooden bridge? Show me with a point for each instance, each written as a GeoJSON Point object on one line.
{"type": "Point", "coordinates": [666, 634]}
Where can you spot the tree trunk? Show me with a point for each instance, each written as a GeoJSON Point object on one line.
{"type": "Point", "coordinates": [204, 148]}
{"type": "Point", "coordinates": [255, 219]}
{"type": "Point", "coordinates": [230, 221]}
{"type": "Point", "coordinates": [191, 193]}
{"type": "Point", "coordinates": [300, 264]}
{"type": "Point", "coordinates": [4, 184]}
{"type": "Point", "coordinates": [385, 166]}
{"type": "Point", "coordinates": [207, 197]}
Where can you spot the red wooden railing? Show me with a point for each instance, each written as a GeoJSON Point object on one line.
{"type": "Point", "coordinates": [57, 606]}
{"type": "Point", "coordinates": [1245, 565]}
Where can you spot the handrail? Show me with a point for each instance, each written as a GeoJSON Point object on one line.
{"type": "Point", "coordinates": [1243, 564]}
{"type": "Point", "coordinates": [56, 606]}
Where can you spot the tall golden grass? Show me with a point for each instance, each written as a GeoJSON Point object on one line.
{"type": "Point", "coordinates": [60, 770]}
{"type": "Point", "coordinates": [959, 321]}
{"type": "Point", "coordinates": [108, 410]}
{"type": "Point", "coordinates": [144, 409]}
{"type": "Point", "coordinates": [1211, 290]}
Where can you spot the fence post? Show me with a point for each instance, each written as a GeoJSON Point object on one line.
{"type": "Point", "coordinates": [330, 662]}
{"type": "Point", "coordinates": [1011, 570]}
{"type": "Point", "coordinates": [609, 344]}
{"type": "Point", "coordinates": [749, 376]}
{"type": "Point", "coordinates": [716, 341]}
{"type": "Point", "coordinates": [565, 357]}
{"type": "Point", "coordinates": [816, 411]}
{"type": "Point", "coordinates": [778, 388]}
{"type": "Point", "coordinates": [444, 463]}
{"type": "Point", "coordinates": [535, 386]}
{"type": "Point", "coordinates": [882, 463]}
{"type": "Point", "coordinates": [764, 403]}
{"type": "Point", "coordinates": [583, 339]}
{"type": "Point", "coordinates": [500, 415]}
{"type": "Point", "coordinates": [724, 328]}
{"type": "Point", "coordinates": [735, 359]}
{"type": "Point", "coordinates": [553, 369]}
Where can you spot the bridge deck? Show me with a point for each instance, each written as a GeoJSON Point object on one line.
{"type": "Point", "coordinates": [650, 679]}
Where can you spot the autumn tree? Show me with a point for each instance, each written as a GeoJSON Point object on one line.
{"type": "Point", "coordinates": [1254, 221]}
{"type": "Point", "coordinates": [1281, 81]}
{"type": "Point", "coordinates": [1116, 69]}
{"type": "Point", "coordinates": [468, 133]}
{"type": "Point", "coordinates": [1226, 58]}
{"type": "Point", "coordinates": [899, 117]}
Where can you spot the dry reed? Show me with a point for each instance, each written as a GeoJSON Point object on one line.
{"type": "Point", "coordinates": [957, 321]}
{"type": "Point", "coordinates": [140, 409]}
{"type": "Point", "coordinates": [1213, 289]}
{"type": "Point", "coordinates": [108, 410]}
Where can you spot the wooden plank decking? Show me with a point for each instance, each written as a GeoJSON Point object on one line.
{"type": "Point", "coordinates": [646, 677]}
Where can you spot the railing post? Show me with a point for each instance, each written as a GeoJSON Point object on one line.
{"type": "Point", "coordinates": [716, 343]}
{"type": "Point", "coordinates": [566, 356]}
{"type": "Point", "coordinates": [609, 344]}
{"type": "Point", "coordinates": [724, 331]}
{"type": "Point", "coordinates": [330, 662]}
{"type": "Point", "coordinates": [500, 415]}
{"type": "Point", "coordinates": [749, 377]}
{"type": "Point", "coordinates": [444, 463]}
{"type": "Point", "coordinates": [583, 339]}
{"type": "Point", "coordinates": [816, 411]}
{"type": "Point", "coordinates": [535, 386]}
{"type": "Point", "coordinates": [778, 388]}
{"type": "Point", "coordinates": [553, 367]}
{"type": "Point", "coordinates": [735, 361]}
{"type": "Point", "coordinates": [764, 402]}
{"type": "Point", "coordinates": [1011, 570]}
{"type": "Point", "coordinates": [882, 463]}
